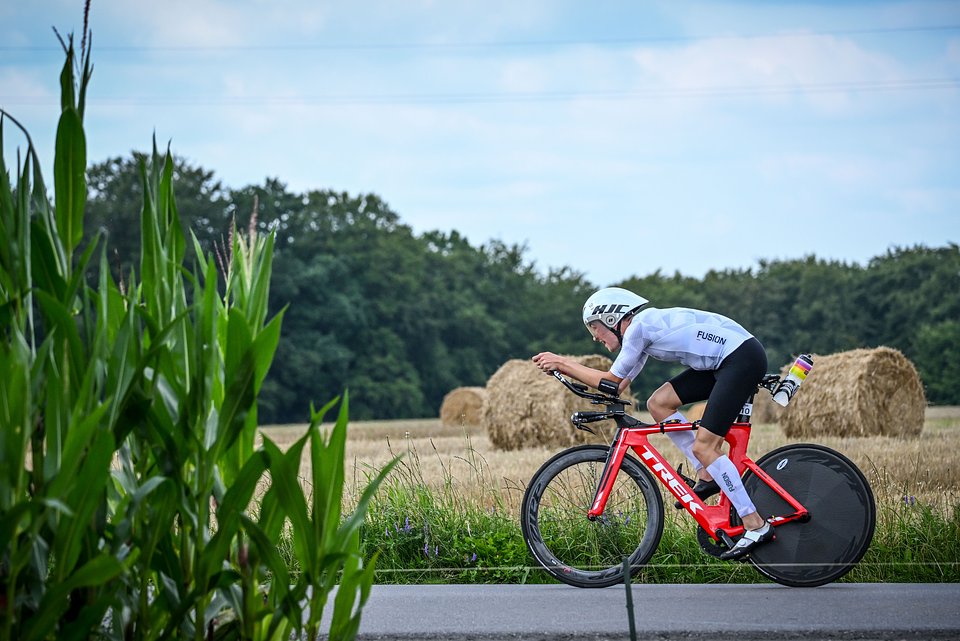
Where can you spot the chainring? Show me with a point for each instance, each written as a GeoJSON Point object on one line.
{"type": "Point", "coordinates": [708, 544]}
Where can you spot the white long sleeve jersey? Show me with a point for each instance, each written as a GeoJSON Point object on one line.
{"type": "Point", "coordinates": [697, 339]}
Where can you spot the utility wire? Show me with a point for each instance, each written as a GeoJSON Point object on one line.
{"type": "Point", "coordinates": [414, 46]}
{"type": "Point", "coordinates": [705, 564]}
{"type": "Point", "coordinates": [743, 91]}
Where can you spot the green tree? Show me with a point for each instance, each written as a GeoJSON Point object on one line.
{"type": "Point", "coordinates": [404, 318]}
{"type": "Point", "coordinates": [938, 361]}
{"type": "Point", "coordinates": [906, 289]}
{"type": "Point", "coordinates": [807, 305]}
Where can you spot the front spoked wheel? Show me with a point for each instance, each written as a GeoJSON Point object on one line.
{"type": "Point", "coordinates": [842, 515]}
{"type": "Point", "coordinates": [575, 550]}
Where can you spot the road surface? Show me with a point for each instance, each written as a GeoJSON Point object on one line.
{"type": "Point", "coordinates": [849, 611]}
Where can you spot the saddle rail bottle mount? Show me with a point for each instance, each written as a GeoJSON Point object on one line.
{"type": "Point", "coordinates": [797, 374]}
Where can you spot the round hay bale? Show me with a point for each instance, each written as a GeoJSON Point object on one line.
{"type": "Point", "coordinates": [463, 406]}
{"type": "Point", "coordinates": [764, 409]}
{"type": "Point", "coordinates": [527, 408]}
{"type": "Point", "coordinates": [863, 392]}
{"type": "Point", "coordinates": [695, 411]}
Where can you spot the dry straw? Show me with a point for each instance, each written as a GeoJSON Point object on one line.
{"type": "Point", "coordinates": [526, 408]}
{"type": "Point", "coordinates": [695, 411]}
{"type": "Point", "coordinates": [863, 392]}
{"type": "Point", "coordinates": [764, 409]}
{"type": "Point", "coordinates": [463, 406]}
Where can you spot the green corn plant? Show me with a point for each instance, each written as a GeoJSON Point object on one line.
{"type": "Point", "coordinates": [57, 445]}
{"type": "Point", "coordinates": [327, 550]}
{"type": "Point", "coordinates": [129, 469]}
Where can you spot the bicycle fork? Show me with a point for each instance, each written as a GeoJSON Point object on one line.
{"type": "Point", "coordinates": [610, 468]}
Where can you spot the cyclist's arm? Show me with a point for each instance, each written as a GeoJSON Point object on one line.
{"type": "Point", "coordinates": [548, 362]}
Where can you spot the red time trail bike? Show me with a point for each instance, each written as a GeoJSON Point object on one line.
{"type": "Point", "coordinates": [590, 507]}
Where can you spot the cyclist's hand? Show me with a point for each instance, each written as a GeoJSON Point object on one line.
{"type": "Point", "coordinates": [549, 362]}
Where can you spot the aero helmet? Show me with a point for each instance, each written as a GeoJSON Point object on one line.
{"type": "Point", "coordinates": [610, 306]}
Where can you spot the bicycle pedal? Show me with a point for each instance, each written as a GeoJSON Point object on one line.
{"type": "Point", "coordinates": [686, 479]}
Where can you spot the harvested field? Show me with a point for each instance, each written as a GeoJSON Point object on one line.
{"type": "Point", "coordinates": [464, 460]}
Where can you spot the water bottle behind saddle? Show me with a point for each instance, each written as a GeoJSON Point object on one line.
{"type": "Point", "coordinates": [797, 374]}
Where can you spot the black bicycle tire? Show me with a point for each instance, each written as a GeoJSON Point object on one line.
{"type": "Point", "coordinates": [842, 515]}
{"type": "Point", "coordinates": [539, 548]}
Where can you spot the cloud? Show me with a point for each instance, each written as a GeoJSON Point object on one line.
{"type": "Point", "coordinates": [820, 68]}
{"type": "Point", "coordinates": [27, 100]}
{"type": "Point", "coordinates": [698, 138]}
{"type": "Point", "coordinates": [937, 201]}
{"type": "Point", "coordinates": [953, 54]}
{"type": "Point", "coordinates": [835, 168]}
{"type": "Point", "coordinates": [209, 23]}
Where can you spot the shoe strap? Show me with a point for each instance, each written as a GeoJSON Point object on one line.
{"type": "Point", "coordinates": [755, 535]}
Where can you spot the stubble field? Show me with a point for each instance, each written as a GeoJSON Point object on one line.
{"type": "Point", "coordinates": [462, 459]}
{"type": "Point", "coordinates": [449, 511]}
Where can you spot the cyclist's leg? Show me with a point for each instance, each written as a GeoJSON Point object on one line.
{"type": "Point", "coordinates": [736, 379]}
{"type": "Point", "coordinates": [689, 386]}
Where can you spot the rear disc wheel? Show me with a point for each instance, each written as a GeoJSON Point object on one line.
{"type": "Point", "coordinates": [842, 515]}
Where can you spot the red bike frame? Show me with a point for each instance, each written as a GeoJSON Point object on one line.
{"type": "Point", "coordinates": [715, 520]}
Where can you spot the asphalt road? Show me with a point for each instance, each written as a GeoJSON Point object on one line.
{"type": "Point", "coordinates": [849, 611]}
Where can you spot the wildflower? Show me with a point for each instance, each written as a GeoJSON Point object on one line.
{"type": "Point", "coordinates": [909, 500]}
{"type": "Point", "coordinates": [386, 531]}
{"type": "Point", "coordinates": [473, 558]}
{"type": "Point", "coordinates": [406, 524]}
{"type": "Point", "coordinates": [426, 550]}
{"type": "Point", "coordinates": [436, 551]}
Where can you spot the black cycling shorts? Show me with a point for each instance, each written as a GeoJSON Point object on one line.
{"type": "Point", "coordinates": [725, 389]}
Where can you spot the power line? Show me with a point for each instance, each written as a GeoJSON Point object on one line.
{"type": "Point", "coordinates": [741, 91]}
{"type": "Point", "coordinates": [413, 46]}
{"type": "Point", "coordinates": [703, 564]}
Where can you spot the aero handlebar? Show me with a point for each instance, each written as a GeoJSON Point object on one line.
{"type": "Point", "coordinates": [597, 398]}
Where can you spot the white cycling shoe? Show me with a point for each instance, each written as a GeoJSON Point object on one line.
{"type": "Point", "coordinates": [750, 540]}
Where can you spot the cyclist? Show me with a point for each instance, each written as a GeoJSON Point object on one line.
{"type": "Point", "coordinates": [725, 363]}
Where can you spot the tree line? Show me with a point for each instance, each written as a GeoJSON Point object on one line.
{"type": "Point", "coordinates": [402, 318]}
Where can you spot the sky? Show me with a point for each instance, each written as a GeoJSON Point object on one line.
{"type": "Point", "coordinates": [614, 138]}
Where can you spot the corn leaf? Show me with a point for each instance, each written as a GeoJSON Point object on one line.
{"type": "Point", "coordinates": [78, 439]}
{"type": "Point", "coordinates": [70, 182]}
{"type": "Point", "coordinates": [264, 349]}
{"type": "Point", "coordinates": [234, 502]}
{"type": "Point", "coordinates": [354, 586]}
{"type": "Point", "coordinates": [97, 571]}
{"type": "Point", "coordinates": [83, 498]}
{"type": "Point", "coordinates": [239, 371]}
{"type": "Point", "coordinates": [45, 262]}
{"type": "Point", "coordinates": [284, 469]}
